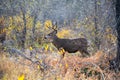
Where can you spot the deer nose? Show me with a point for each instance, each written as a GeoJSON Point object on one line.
{"type": "Point", "coordinates": [45, 37]}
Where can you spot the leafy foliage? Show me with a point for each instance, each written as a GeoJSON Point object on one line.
{"type": "Point", "coordinates": [64, 33]}
{"type": "Point", "coordinates": [41, 58]}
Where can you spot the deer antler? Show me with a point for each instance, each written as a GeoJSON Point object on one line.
{"type": "Point", "coordinates": [54, 27]}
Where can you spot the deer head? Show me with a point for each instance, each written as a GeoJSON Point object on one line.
{"type": "Point", "coordinates": [52, 35]}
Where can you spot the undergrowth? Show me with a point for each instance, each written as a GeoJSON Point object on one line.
{"type": "Point", "coordinates": [52, 67]}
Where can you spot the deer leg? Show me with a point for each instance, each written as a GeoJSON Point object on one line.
{"type": "Point", "coordinates": [84, 52]}
{"type": "Point", "coordinates": [62, 52]}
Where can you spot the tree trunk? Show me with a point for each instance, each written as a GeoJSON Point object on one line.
{"type": "Point", "coordinates": [33, 29]}
{"type": "Point", "coordinates": [23, 34]}
{"type": "Point", "coordinates": [115, 63]}
{"type": "Point", "coordinates": [118, 27]}
{"type": "Point", "coordinates": [2, 32]}
{"type": "Point", "coordinates": [34, 23]}
{"type": "Point", "coordinates": [97, 40]}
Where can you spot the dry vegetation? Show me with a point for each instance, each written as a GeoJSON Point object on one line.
{"type": "Point", "coordinates": [51, 67]}
{"type": "Point", "coordinates": [26, 55]}
{"type": "Point", "coordinates": [43, 62]}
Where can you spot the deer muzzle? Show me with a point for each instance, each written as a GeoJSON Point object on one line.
{"type": "Point", "coordinates": [48, 38]}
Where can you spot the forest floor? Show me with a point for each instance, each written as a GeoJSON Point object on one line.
{"type": "Point", "coordinates": [49, 66]}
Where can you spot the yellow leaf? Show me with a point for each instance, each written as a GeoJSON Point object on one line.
{"type": "Point", "coordinates": [38, 24]}
{"type": "Point", "coordinates": [61, 51]}
{"type": "Point", "coordinates": [46, 48]}
{"type": "Point", "coordinates": [21, 77]}
{"type": "Point", "coordinates": [60, 65]}
{"type": "Point", "coordinates": [38, 66]}
{"type": "Point", "coordinates": [66, 65]}
{"type": "Point", "coordinates": [58, 78]}
{"type": "Point", "coordinates": [40, 61]}
{"type": "Point", "coordinates": [36, 56]}
{"type": "Point", "coordinates": [31, 48]}
{"type": "Point", "coordinates": [48, 24]}
{"type": "Point", "coordinates": [51, 49]}
{"type": "Point", "coordinates": [64, 33]}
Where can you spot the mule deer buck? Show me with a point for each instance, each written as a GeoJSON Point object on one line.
{"type": "Point", "coordinates": [69, 45]}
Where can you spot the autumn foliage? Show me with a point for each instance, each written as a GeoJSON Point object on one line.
{"type": "Point", "coordinates": [41, 60]}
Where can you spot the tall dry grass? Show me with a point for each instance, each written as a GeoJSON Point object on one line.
{"type": "Point", "coordinates": [71, 67]}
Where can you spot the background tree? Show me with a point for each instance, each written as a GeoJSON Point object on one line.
{"type": "Point", "coordinates": [24, 31]}
{"type": "Point", "coordinates": [91, 21]}
{"type": "Point", "coordinates": [25, 22]}
{"type": "Point", "coordinates": [115, 63]}
{"type": "Point", "coordinates": [97, 16]}
{"type": "Point", "coordinates": [2, 32]}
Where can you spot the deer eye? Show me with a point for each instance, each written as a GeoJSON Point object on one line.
{"type": "Point", "coordinates": [49, 34]}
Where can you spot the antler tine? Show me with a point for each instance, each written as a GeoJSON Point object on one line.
{"type": "Point", "coordinates": [48, 26]}
{"type": "Point", "coordinates": [54, 27]}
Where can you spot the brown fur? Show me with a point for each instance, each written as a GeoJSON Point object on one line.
{"type": "Point", "coordinates": [69, 45]}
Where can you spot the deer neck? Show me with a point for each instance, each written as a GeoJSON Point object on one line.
{"type": "Point", "coordinates": [55, 38]}
{"type": "Point", "coordinates": [56, 41]}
